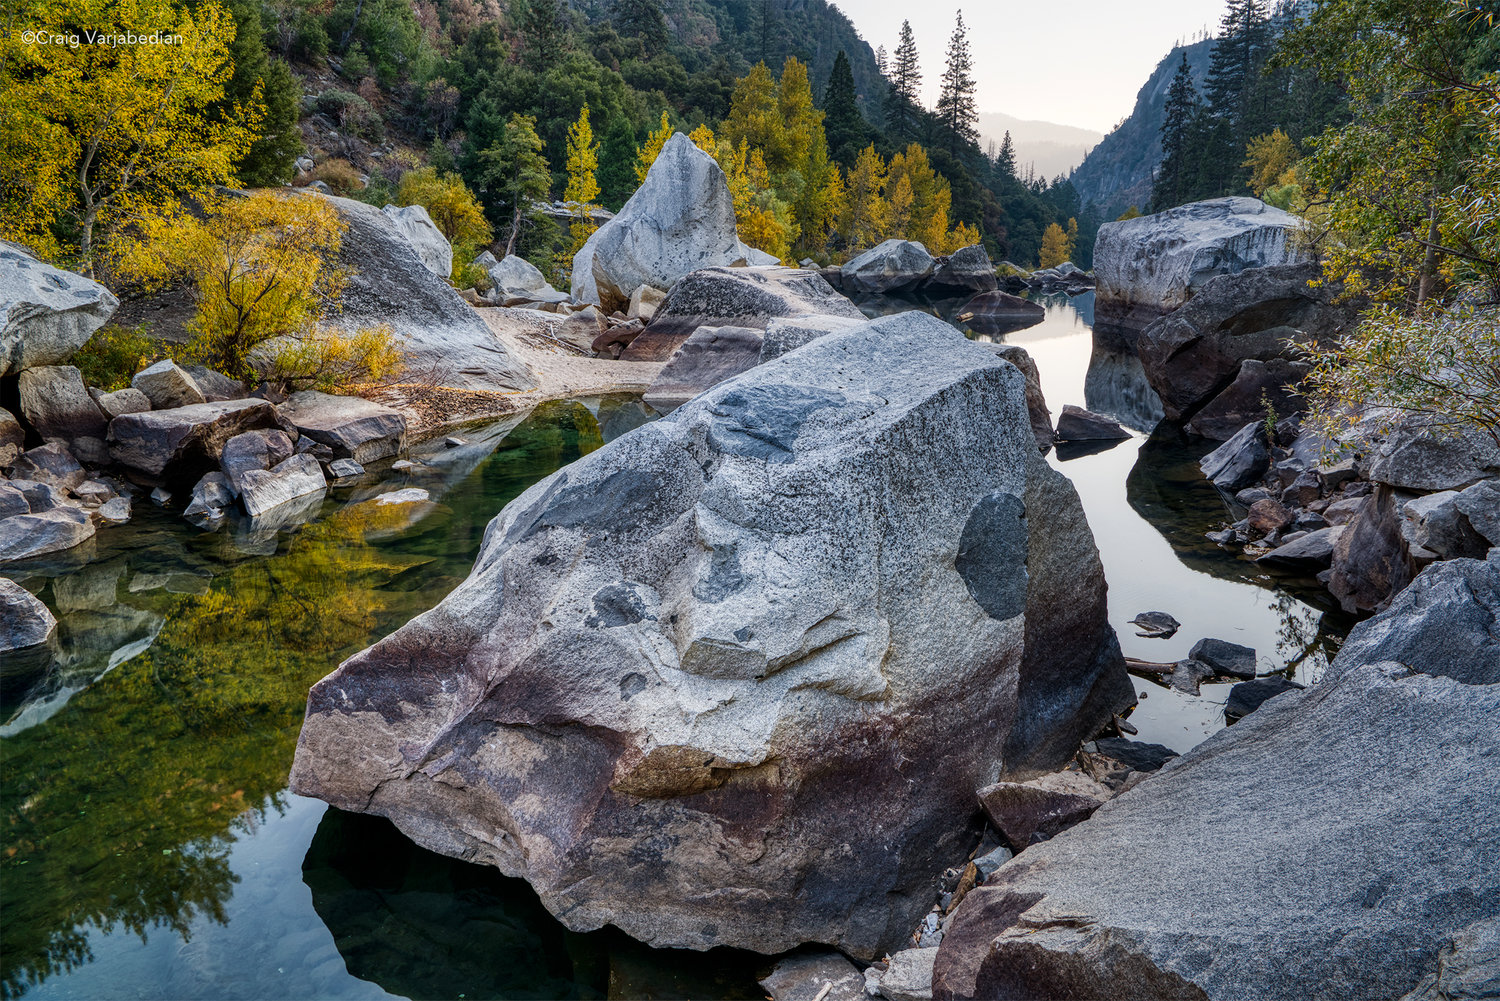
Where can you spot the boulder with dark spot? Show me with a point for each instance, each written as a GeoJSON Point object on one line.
{"type": "Point", "coordinates": [1338, 842]}
{"type": "Point", "coordinates": [46, 313]}
{"type": "Point", "coordinates": [734, 677]}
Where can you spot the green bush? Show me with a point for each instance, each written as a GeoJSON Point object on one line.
{"type": "Point", "coordinates": [114, 354]}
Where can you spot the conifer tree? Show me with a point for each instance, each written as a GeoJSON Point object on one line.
{"type": "Point", "coordinates": [955, 105]}
{"type": "Point", "coordinates": [880, 60]}
{"type": "Point", "coordinates": [842, 123]}
{"type": "Point", "coordinates": [642, 19]}
{"type": "Point", "coordinates": [1177, 174]}
{"type": "Point", "coordinates": [516, 175]}
{"type": "Point", "coordinates": [1005, 160]}
{"type": "Point", "coordinates": [902, 101]}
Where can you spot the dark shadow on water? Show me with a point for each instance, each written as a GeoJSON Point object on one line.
{"type": "Point", "coordinates": [422, 925]}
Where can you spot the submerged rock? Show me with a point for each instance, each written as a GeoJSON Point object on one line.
{"type": "Point", "coordinates": [1248, 696]}
{"type": "Point", "coordinates": [1156, 625]}
{"type": "Point", "coordinates": [680, 219]}
{"type": "Point", "coordinates": [1379, 784]}
{"type": "Point", "coordinates": [733, 678]}
{"type": "Point", "coordinates": [45, 313]}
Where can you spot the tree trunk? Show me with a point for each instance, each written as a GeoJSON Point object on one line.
{"type": "Point", "coordinates": [515, 231]}
{"type": "Point", "coordinates": [1429, 260]}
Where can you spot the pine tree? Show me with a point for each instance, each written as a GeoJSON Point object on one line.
{"type": "Point", "coordinates": [955, 105]}
{"type": "Point", "coordinates": [539, 23]}
{"type": "Point", "coordinates": [1005, 160]}
{"type": "Point", "coordinates": [270, 158]}
{"type": "Point", "coordinates": [642, 19]}
{"type": "Point", "coordinates": [842, 122]}
{"type": "Point", "coordinates": [880, 60]}
{"type": "Point", "coordinates": [902, 102]}
{"type": "Point", "coordinates": [1233, 73]}
{"type": "Point", "coordinates": [617, 154]}
{"type": "Point", "coordinates": [1176, 176]}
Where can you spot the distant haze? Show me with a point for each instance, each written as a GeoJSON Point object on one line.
{"type": "Point", "coordinates": [1053, 149]}
{"type": "Point", "coordinates": [1080, 63]}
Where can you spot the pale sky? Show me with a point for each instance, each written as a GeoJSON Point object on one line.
{"type": "Point", "coordinates": [1074, 63]}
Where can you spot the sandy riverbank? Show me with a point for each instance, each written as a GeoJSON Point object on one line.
{"type": "Point", "coordinates": [562, 371]}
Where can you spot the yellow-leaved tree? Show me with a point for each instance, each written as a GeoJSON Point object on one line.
{"type": "Point", "coordinates": [93, 136]}
{"type": "Point", "coordinates": [647, 154]}
{"type": "Point", "coordinates": [864, 219]}
{"type": "Point", "coordinates": [1054, 246]}
{"type": "Point", "coordinates": [453, 208]}
{"type": "Point", "coordinates": [258, 268]}
{"type": "Point", "coordinates": [582, 189]}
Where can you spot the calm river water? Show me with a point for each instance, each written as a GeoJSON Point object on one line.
{"type": "Point", "coordinates": [150, 848]}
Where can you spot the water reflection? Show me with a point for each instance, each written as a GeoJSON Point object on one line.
{"type": "Point", "coordinates": [423, 925]}
{"type": "Point", "coordinates": [1116, 383]}
{"type": "Point", "coordinates": [164, 729]}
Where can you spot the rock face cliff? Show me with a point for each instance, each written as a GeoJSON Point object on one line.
{"type": "Point", "coordinates": [733, 678]}
{"type": "Point", "coordinates": [1118, 171]}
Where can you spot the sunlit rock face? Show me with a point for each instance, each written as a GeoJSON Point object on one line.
{"type": "Point", "coordinates": [733, 678]}
{"type": "Point", "coordinates": [1148, 266]}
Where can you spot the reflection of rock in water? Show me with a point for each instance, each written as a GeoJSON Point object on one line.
{"type": "Point", "coordinates": [622, 413]}
{"type": "Point", "coordinates": [966, 312]}
{"type": "Point", "coordinates": [1116, 382]}
{"type": "Point", "coordinates": [419, 924]}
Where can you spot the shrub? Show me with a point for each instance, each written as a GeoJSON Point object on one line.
{"type": "Point", "coordinates": [339, 175]}
{"type": "Point", "coordinates": [256, 264]}
{"type": "Point", "coordinates": [352, 112]}
{"type": "Point", "coordinates": [114, 354]}
{"type": "Point", "coordinates": [334, 361]}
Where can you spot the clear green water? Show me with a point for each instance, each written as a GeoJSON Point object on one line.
{"type": "Point", "coordinates": [148, 845]}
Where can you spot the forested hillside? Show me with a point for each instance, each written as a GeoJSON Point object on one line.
{"type": "Point", "coordinates": [1118, 172]}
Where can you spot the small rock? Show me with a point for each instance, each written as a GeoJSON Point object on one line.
{"type": "Point", "coordinates": [342, 469]}
{"type": "Point", "coordinates": [1046, 805]}
{"type": "Point", "coordinates": [817, 976]}
{"type": "Point", "coordinates": [453, 441]}
{"type": "Point", "coordinates": [51, 464]}
{"type": "Point", "coordinates": [299, 476]}
{"type": "Point", "coordinates": [1078, 424]}
{"type": "Point", "coordinates": [402, 465]}
{"type": "Point", "coordinates": [1305, 489]}
{"type": "Point", "coordinates": [1240, 461]}
{"type": "Point", "coordinates": [12, 500]}
{"type": "Point", "coordinates": [909, 977]}
{"type": "Point", "coordinates": [643, 302]}
{"type": "Point", "coordinates": [12, 438]}
{"type": "Point", "coordinates": [1311, 551]}
{"type": "Point", "coordinates": [411, 495]}
{"type": "Point", "coordinates": [990, 861]}
{"type": "Point", "coordinates": [211, 497]}
{"type": "Point", "coordinates": [1343, 510]}
{"type": "Point", "coordinates": [1225, 658]}
{"type": "Point", "coordinates": [93, 492]}
{"type": "Point", "coordinates": [1247, 696]}
{"type": "Point", "coordinates": [1481, 505]}
{"type": "Point", "coordinates": [115, 511]}
{"type": "Point", "coordinates": [121, 401]}
{"type": "Point", "coordinates": [23, 536]}
{"type": "Point", "coordinates": [161, 497]}
{"type": "Point", "coordinates": [1139, 756]}
{"type": "Point", "coordinates": [1269, 516]}
{"type": "Point", "coordinates": [1250, 495]}
{"type": "Point", "coordinates": [1223, 537]}
{"type": "Point", "coordinates": [1156, 625]}
{"type": "Point", "coordinates": [167, 386]}
{"type": "Point", "coordinates": [1434, 523]}
{"type": "Point", "coordinates": [254, 450]}
{"type": "Point", "coordinates": [1188, 675]}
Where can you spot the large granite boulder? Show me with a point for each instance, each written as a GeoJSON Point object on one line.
{"type": "Point", "coordinates": [23, 536]}
{"type": "Point", "coordinates": [1149, 266]}
{"type": "Point", "coordinates": [443, 338]}
{"type": "Point", "coordinates": [733, 678]}
{"type": "Point", "coordinates": [1235, 325]}
{"type": "Point", "coordinates": [186, 440]}
{"type": "Point", "coordinates": [680, 219]}
{"type": "Point", "coordinates": [1371, 561]}
{"type": "Point", "coordinates": [966, 269]}
{"type": "Point", "coordinates": [418, 229]}
{"type": "Point", "coordinates": [516, 280]}
{"type": "Point", "coordinates": [735, 297]}
{"type": "Point", "coordinates": [891, 266]}
{"type": "Point", "coordinates": [45, 313]}
{"type": "Point", "coordinates": [354, 428]}
{"type": "Point", "coordinates": [167, 385]}
{"type": "Point", "coordinates": [1421, 455]}
{"type": "Point", "coordinates": [1331, 845]}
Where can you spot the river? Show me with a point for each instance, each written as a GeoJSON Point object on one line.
{"type": "Point", "coordinates": [150, 848]}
